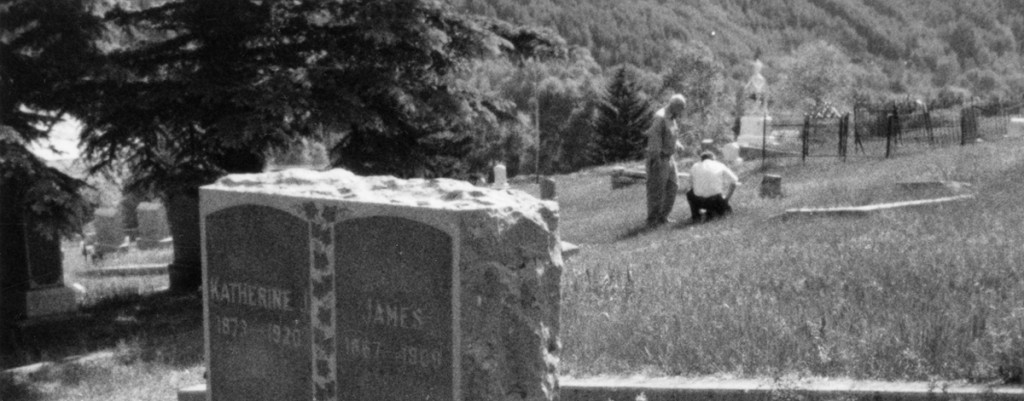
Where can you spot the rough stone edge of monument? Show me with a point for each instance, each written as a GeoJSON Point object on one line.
{"type": "Point", "coordinates": [860, 211]}
{"type": "Point", "coordinates": [570, 391]}
{"type": "Point", "coordinates": [34, 368]}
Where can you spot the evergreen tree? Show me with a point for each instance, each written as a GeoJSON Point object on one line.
{"type": "Point", "coordinates": [45, 46]}
{"type": "Point", "coordinates": [623, 117]}
{"type": "Point", "coordinates": [201, 88]}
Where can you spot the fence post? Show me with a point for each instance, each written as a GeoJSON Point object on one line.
{"type": "Point", "coordinates": [857, 144]}
{"type": "Point", "coordinates": [898, 131]}
{"type": "Point", "coordinates": [846, 135]}
{"type": "Point", "coordinates": [764, 140]}
{"type": "Point", "coordinates": [839, 148]}
{"type": "Point", "coordinates": [1005, 122]}
{"type": "Point", "coordinates": [965, 123]}
{"type": "Point", "coordinates": [888, 137]}
{"type": "Point", "coordinates": [804, 138]}
{"type": "Point", "coordinates": [928, 126]}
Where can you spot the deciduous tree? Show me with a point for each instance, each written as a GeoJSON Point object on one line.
{"type": "Point", "coordinates": [816, 73]}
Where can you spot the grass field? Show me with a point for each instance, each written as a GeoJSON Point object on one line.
{"type": "Point", "coordinates": [918, 294]}
{"type": "Point", "coordinates": [99, 288]}
{"type": "Point", "coordinates": [150, 343]}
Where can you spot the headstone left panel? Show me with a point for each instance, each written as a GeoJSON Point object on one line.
{"type": "Point", "coordinates": [258, 276]}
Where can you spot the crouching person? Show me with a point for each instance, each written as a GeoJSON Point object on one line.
{"type": "Point", "coordinates": [711, 186]}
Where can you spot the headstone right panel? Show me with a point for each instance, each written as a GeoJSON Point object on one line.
{"type": "Point", "coordinates": [394, 294]}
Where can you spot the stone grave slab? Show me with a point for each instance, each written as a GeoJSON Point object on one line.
{"type": "Point", "coordinates": [1015, 127]}
{"type": "Point", "coordinates": [753, 130]}
{"type": "Point", "coordinates": [153, 229]}
{"type": "Point", "coordinates": [329, 286]}
{"type": "Point", "coordinates": [110, 231]}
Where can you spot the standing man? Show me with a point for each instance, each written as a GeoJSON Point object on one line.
{"type": "Point", "coordinates": [662, 142]}
{"type": "Point", "coordinates": [711, 185]}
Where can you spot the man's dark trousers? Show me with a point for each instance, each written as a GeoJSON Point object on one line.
{"type": "Point", "coordinates": [716, 205]}
{"type": "Point", "coordinates": [662, 184]}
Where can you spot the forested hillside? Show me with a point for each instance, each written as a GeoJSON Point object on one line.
{"type": "Point", "coordinates": [916, 44]}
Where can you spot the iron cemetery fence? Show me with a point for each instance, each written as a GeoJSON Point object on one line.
{"type": "Point", "coordinates": [884, 131]}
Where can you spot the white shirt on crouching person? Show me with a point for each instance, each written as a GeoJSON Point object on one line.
{"type": "Point", "coordinates": [711, 177]}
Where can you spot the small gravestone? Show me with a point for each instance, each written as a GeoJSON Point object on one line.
{"type": "Point", "coordinates": [755, 120]}
{"type": "Point", "coordinates": [127, 209]}
{"type": "Point", "coordinates": [707, 145]}
{"type": "Point", "coordinates": [329, 286]}
{"type": "Point", "coordinates": [1015, 127]}
{"type": "Point", "coordinates": [110, 233]}
{"type": "Point", "coordinates": [731, 154]}
{"type": "Point", "coordinates": [684, 183]}
{"type": "Point", "coordinates": [500, 176]}
{"type": "Point", "coordinates": [153, 230]}
{"type": "Point", "coordinates": [753, 131]}
{"type": "Point", "coordinates": [622, 177]}
{"type": "Point", "coordinates": [771, 186]}
{"type": "Point", "coordinates": [548, 188]}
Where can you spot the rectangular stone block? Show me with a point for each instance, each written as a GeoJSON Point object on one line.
{"type": "Point", "coordinates": [752, 130]}
{"type": "Point", "coordinates": [50, 301]}
{"type": "Point", "coordinates": [110, 231]}
{"type": "Point", "coordinates": [153, 230]}
{"type": "Point", "coordinates": [1015, 127]}
{"type": "Point", "coordinates": [44, 257]}
{"type": "Point", "coordinates": [329, 286]}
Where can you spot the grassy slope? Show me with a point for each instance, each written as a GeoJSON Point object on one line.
{"type": "Point", "coordinates": [911, 294]}
{"type": "Point", "coordinates": [151, 343]}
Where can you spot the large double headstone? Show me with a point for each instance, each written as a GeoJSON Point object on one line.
{"type": "Point", "coordinates": [329, 286]}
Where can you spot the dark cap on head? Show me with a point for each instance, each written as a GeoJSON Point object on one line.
{"type": "Point", "coordinates": [707, 155]}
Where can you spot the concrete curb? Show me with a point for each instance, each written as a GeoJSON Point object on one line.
{"type": "Point", "coordinates": [670, 389]}
{"type": "Point", "coordinates": [860, 211]}
{"type": "Point", "coordinates": [124, 271]}
{"type": "Point", "coordinates": [78, 359]}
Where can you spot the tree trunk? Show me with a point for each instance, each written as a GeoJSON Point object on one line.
{"type": "Point", "coordinates": [186, 271]}
{"type": "Point", "coordinates": [13, 271]}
